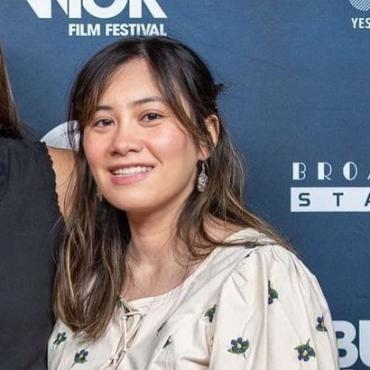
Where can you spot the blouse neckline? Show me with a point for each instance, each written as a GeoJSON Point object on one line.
{"type": "Point", "coordinates": [146, 303]}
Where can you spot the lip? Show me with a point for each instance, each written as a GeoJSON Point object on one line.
{"type": "Point", "coordinates": [129, 179]}
{"type": "Point", "coordinates": [127, 165]}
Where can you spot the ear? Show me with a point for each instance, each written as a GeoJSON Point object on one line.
{"type": "Point", "coordinates": [213, 126]}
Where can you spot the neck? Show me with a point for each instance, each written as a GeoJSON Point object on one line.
{"type": "Point", "coordinates": [153, 236]}
{"type": "Point", "coordinates": [152, 259]}
{"type": "Point", "coordinates": [157, 261]}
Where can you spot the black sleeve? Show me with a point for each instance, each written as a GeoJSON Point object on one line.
{"type": "Point", "coordinates": [28, 215]}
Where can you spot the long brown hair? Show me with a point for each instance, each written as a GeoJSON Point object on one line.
{"type": "Point", "coordinates": [91, 268]}
{"type": "Point", "coordinates": [9, 122]}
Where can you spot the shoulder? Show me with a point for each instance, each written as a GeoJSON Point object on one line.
{"type": "Point", "coordinates": [271, 262]}
{"type": "Point", "coordinates": [249, 251]}
{"type": "Point", "coordinates": [25, 155]}
{"type": "Point", "coordinates": [250, 263]}
{"type": "Point", "coordinates": [270, 306]}
{"type": "Point", "coordinates": [271, 257]}
{"type": "Point", "coordinates": [25, 147]}
{"type": "Point", "coordinates": [272, 276]}
{"type": "Point", "coordinates": [27, 175]}
{"type": "Point", "coordinates": [261, 265]}
{"type": "Point", "coordinates": [257, 249]}
{"type": "Point", "coordinates": [61, 159]}
{"type": "Point", "coordinates": [30, 156]}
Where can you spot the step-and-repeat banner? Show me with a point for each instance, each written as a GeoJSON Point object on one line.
{"type": "Point", "coordinates": [297, 103]}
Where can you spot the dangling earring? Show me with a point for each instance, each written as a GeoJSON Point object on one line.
{"type": "Point", "coordinates": [99, 195]}
{"type": "Point", "coordinates": [202, 179]}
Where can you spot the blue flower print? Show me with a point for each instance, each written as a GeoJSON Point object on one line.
{"type": "Point", "coordinates": [210, 313]}
{"type": "Point", "coordinates": [239, 346]}
{"type": "Point", "coordinates": [305, 351]}
{"type": "Point", "coordinates": [321, 324]}
{"type": "Point", "coordinates": [60, 338]}
{"type": "Point", "coordinates": [81, 357]}
{"type": "Point", "coordinates": [273, 294]}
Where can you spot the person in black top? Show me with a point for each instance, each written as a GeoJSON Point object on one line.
{"type": "Point", "coordinates": [33, 180]}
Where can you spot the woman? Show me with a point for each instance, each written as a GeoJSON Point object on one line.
{"type": "Point", "coordinates": [28, 212]}
{"type": "Point", "coordinates": [162, 267]}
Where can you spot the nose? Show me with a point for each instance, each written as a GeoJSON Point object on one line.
{"type": "Point", "coordinates": [126, 139]}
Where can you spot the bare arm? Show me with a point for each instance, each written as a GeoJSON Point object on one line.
{"type": "Point", "coordinates": [63, 167]}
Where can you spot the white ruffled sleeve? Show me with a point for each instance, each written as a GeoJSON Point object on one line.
{"type": "Point", "coordinates": [272, 315]}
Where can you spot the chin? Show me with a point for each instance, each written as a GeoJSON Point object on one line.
{"type": "Point", "coordinates": [132, 202]}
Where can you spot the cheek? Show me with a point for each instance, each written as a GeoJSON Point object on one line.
{"type": "Point", "coordinates": [174, 145]}
{"type": "Point", "coordinates": [93, 151]}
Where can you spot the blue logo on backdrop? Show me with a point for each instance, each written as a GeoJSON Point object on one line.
{"type": "Point", "coordinates": [363, 5]}
{"type": "Point", "coordinates": [74, 10]}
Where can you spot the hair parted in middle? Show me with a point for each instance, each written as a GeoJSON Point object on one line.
{"type": "Point", "coordinates": [91, 269]}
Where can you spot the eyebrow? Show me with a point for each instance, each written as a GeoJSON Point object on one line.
{"type": "Point", "coordinates": [148, 99]}
{"type": "Point", "coordinates": [141, 101]}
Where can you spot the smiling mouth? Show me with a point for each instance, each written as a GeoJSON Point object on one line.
{"type": "Point", "coordinates": [131, 171]}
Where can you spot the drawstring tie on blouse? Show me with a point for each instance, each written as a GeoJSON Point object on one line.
{"type": "Point", "coordinates": [130, 320]}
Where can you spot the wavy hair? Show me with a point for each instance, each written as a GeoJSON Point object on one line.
{"type": "Point", "coordinates": [91, 269]}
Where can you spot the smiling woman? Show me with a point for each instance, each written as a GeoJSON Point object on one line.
{"type": "Point", "coordinates": [162, 266]}
{"type": "Point", "coordinates": [135, 139]}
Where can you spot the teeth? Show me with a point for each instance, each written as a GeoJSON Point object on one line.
{"type": "Point", "coordinates": [128, 171]}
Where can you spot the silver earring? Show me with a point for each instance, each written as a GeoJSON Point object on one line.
{"type": "Point", "coordinates": [202, 179]}
{"type": "Point", "coordinates": [99, 195]}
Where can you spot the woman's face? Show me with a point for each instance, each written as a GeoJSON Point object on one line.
{"type": "Point", "coordinates": [141, 158]}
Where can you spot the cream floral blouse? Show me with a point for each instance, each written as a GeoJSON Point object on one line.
{"type": "Point", "coordinates": [243, 308]}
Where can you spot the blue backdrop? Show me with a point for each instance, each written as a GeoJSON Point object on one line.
{"type": "Point", "coordinates": [297, 104]}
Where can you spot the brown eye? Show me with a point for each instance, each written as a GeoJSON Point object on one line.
{"type": "Point", "coordinates": [102, 123]}
{"type": "Point", "coordinates": [152, 116]}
